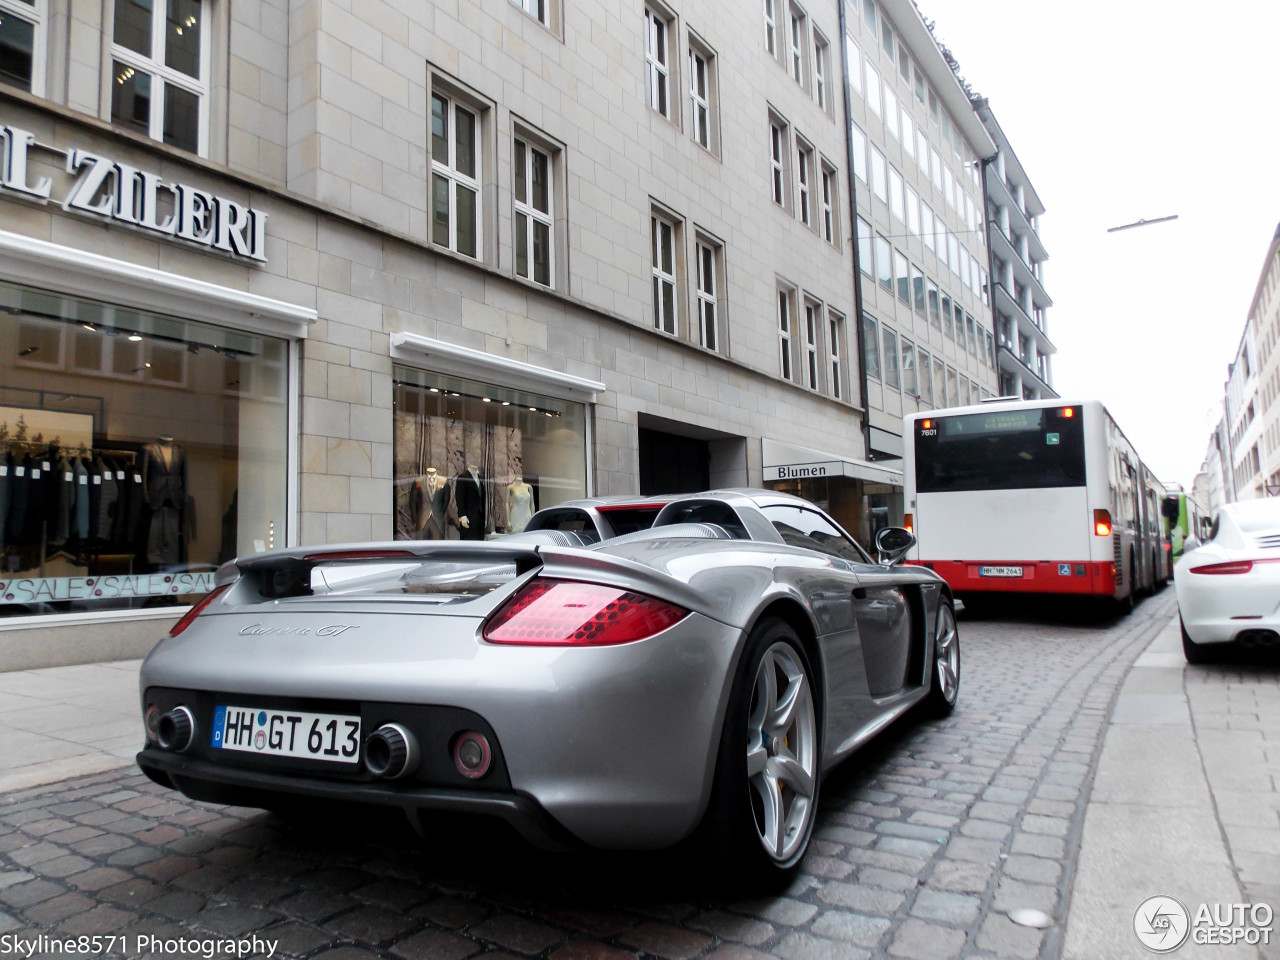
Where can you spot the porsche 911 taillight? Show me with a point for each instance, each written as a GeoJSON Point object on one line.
{"type": "Point", "coordinates": [570, 613]}
{"type": "Point", "coordinates": [1229, 566]}
{"type": "Point", "coordinates": [195, 611]}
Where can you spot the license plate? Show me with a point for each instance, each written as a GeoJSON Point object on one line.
{"type": "Point", "coordinates": [999, 571]}
{"type": "Point", "coordinates": [287, 733]}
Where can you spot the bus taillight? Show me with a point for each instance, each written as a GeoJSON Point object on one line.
{"type": "Point", "coordinates": [1068, 412]}
{"type": "Point", "coordinates": [1102, 523]}
{"type": "Point", "coordinates": [908, 521]}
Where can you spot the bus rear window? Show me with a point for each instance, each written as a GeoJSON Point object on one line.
{"type": "Point", "coordinates": [1001, 450]}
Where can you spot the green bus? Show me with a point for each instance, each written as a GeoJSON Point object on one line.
{"type": "Point", "coordinates": [1181, 517]}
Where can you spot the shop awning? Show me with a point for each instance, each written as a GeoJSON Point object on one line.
{"type": "Point", "coordinates": [786, 461]}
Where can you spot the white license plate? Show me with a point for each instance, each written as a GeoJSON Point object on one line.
{"type": "Point", "coordinates": [287, 733]}
{"type": "Point", "coordinates": [999, 571]}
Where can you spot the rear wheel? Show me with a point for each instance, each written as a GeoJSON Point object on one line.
{"type": "Point", "coordinates": [765, 796]}
{"type": "Point", "coordinates": [1194, 652]}
{"type": "Point", "coordinates": [945, 683]}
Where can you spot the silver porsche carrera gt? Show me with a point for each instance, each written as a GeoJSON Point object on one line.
{"type": "Point", "coordinates": [690, 680]}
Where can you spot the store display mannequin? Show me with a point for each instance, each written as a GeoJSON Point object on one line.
{"type": "Point", "coordinates": [468, 497]}
{"type": "Point", "coordinates": [430, 500]}
{"type": "Point", "coordinates": [163, 465]}
{"type": "Point", "coordinates": [520, 505]}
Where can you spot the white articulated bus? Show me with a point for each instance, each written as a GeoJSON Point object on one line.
{"type": "Point", "coordinates": [1032, 496]}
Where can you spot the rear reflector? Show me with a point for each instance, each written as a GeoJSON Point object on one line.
{"type": "Point", "coordinates": [548, 612]}
{"type": "Point", "coordinates": [195, 611]}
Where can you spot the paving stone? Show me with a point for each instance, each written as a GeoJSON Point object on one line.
{"type": "Point", "coordinates": [783, 911]}
{"type": "Point", "coordinates": [591, 950]}
{"type": "Point", "coordinates": [1004, 938]}
{"type": "Point", "coordinates": [664, 940]}
{"type": "Point", "coordinates": [1034, 869]}
{"type": "Point", "coordinates": [918, 940]}
{"type": "Point", "coordinates": [730, 926]}
{"type": "Point", "coordinates": [804, 946]}
{"type": "Point", "coordinates": [862, 898]}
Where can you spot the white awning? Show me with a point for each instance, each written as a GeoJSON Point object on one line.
{"type": "Point", "coordinates": [786, 461]}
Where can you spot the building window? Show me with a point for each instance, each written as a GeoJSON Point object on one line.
{"type": "Point", "coordinates": [455, 176]}
{"type": "Point", "coordinates": [873, 89]}
{"type": "Point", "coordinates": [534, 227]}
{"type": "Point", "coordinates": [917, 290]}
{"type": "Point", "coordinates": [869, 16]}
{"type": "Point", "coordinates": [829, 231]}
{"type": "Point", "coordinates": [784, 334]}
{"type": "Point", "coordinates": [859, 147]}
{"type": "Point", "coordinates": [909, 385]}
{"type": "Point", "coordinates": [795, 53]}
{"type": "Point", "coordinates": [884, 263]}
{"type": "Point", "coordinates": [886, 37]}
{"type": "Point", "coordinates": [864, 247]}
{"type": "Point", "coordinates": [664, 273]}
{"type": "Point", "coordinates": [820, 54]}
{"type": "Point", "coordinates": [913, 211]}
{"type": "Point", "coordinates": [777, 163]}
{"type": "Point", "coordinates": [890, 357]}
{"type": "Point", "coordinates": [853, 64]}
{"type": "Point", "coordinates": [934, 317]}
{"type": "Point", "coordinates": [160, 71]}
{"type": "Point", "coordinates": [538, 9]}
{"type": "Point", "coordinates": [939, 396]}
{"type": "Point", "coordinates": [891, 112]}
{"type": "Point", "coordinates": [925, 384]}
{"type": "Point", "coordinates": [657, 61]}
{"type": "Point", "coordinates": [871, 346]}
{"type": "Point", "coordinates": [708, 294]}
{"type": "Point", "coordinates": [771, 27]}
{"type": "Point", "coordinates": [812, 333]}
{"type": "Point", "coordinates": [835, 333]}
{"type": "Point", "coordinates": [946, 316]}
{"type": "Point", "coordinates": [22, 44]}
{"type": "Point", "coordinates": [804, 162]}
{"type": "Point", "coordinates": [901, 275]}
{"type": "Point", "coordinates": [701, 81]}
{"type": "Point", "coordinates": [896, 205]}
{"type": "Point", "coordinates": [879, 176]}
{"type": "Point", "coordinates": [926, 224]}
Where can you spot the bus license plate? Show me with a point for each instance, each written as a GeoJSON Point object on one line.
{"type": "Point", "coordinates": [999, 571]}
{"type": "Point", "coordinates": [287, 733]}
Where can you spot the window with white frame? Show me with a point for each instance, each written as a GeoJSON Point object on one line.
{"type": "Point", "coordinates": [879, 175]}
{"type": "Point", "coordinates": [771, 27]}
{"type": "Point", "coordinates": [540, 10]}
{"type": "Point", "coordinates": [534, 226]}
{"type": "Point", "coordinates": [23, 41]}
{"type": "Point", "coordinates": [897, 205]}
{"type": "Point", "coordinates": [663, 231]}
{"type": "Point", "coordinates": [812, 334]}
{"type": "Point", "coordinates": [701, 80]}
{"type": "Point", "coordinates": [830, 232]}
{"type": "Point", "coordinates": [835, 337]}
{"type": "Point", "coordinates": [853, 64]}
{"type": "Point", "coordinates": [708, 294]}
{"type": "Point", "coordinates": [455, 175]}
{"type": "Point", "coordinates": [657, 60]}
{"type": "Point", "coordinates": [784, 333]}
{"type": "Point", "coordinates": [795, 48]}
{"type": "Point", "coordinates": [777, 160]}
{"type": "Point", "coordinates": [804, 179]}
{"type": "Point", "coordinates": [873, 88]}
{"type": "Point", "coordinates": [821, 51]}
{"type": "Point", "coordinates": [160, 71]}
{"type": "Point", "coordinates": [891, 112]}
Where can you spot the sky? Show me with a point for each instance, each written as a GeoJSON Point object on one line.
{"type": "Point", "coordinates": [1137, 110]}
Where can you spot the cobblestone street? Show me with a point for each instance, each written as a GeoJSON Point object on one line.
{"type": "Point", "coordinates": [924, 842]}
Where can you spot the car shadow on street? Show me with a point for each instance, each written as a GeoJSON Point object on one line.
{"type": "Point", "coordinates": [1089, 612]}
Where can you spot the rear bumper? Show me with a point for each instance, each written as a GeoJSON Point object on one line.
{"type": "Point", "coordinates": [1092, 578]}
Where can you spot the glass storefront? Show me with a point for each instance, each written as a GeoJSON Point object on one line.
{"type": "Point", "coordinates": [137, 452]}
{"type": "Point", "coordinates": [862, 507]}
{"type": "Point", "coordinates": [475, 460]}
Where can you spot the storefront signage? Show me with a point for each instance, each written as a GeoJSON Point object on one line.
{"type": "Point", "coordinates": [124, 194]}
{"type": "Point", "coordinates": [55, 589]}
{"type": "Point", "coordinates": [804, 471]}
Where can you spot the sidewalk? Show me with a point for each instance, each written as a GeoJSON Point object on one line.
{"type": "Point", "coordinates": [1184, 803]}
{"type": "Point", "coordinates": [63, 722]}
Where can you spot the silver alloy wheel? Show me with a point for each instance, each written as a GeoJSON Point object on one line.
{"type": "Point", "coordinates": [782, 752]}
{"type": "Point", "coordinates": [946, 651]}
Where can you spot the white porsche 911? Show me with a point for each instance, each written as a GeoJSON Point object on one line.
{"type": "Point", "coordinates": [1229, 587]}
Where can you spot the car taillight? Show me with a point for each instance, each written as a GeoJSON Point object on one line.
{"type": "Point", "coordinates": [1102, 523]}
{"type": "Point", "coordinates": [195, 611]}
{"type": "Point", "coordinates": [571, 613]}
{"type": "Point", "coordinates": [908, 521]}
{"type": "Point", "coordinates": [1229, 566]}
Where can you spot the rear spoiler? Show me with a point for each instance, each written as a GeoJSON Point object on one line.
{"type": "Point", "coordinates": [281, 574]}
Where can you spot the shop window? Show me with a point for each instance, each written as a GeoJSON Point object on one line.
{"type": "Point", "coordinates": [160, 70]}
{"type": "Point", "coordinates": [475, 460]}
{"type": "Point", "coordinates": [137, 452]}
{"type": "Point", "coordinates": [455, 175]}
{"type": "Point", "coordinates": [23, 43]}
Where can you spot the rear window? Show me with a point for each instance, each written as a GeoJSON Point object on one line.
{"type": "Point", "coordinates": [625, 520]}
{"type": "Point", "coordinates": [569, 519]}
{"type": "Point", "coordinates": [707, 511]}
{"type": "Point", "coordinates": [1000, 450]}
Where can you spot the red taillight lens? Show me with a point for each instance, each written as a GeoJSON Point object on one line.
{"type": "Point", "coordinates": [1231, 566]}
{"type": "Point", "coordinates": [568, 613]}
{"type": "Point", "coordinates": [1102, 523]}
{"type": "Point", "coordinates": [195, 611]}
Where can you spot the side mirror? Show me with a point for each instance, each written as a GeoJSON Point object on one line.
{"type": "Point", "coordinates": [892, 544]}
{"type": "Point", "coordinates": [1190, 543]}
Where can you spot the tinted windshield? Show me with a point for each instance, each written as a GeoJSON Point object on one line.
{"type": "Point", "coordinates": [1001, 450]}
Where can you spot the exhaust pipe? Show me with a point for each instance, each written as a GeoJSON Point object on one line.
{"type": "Point", "coordinates": [391, 752]}
{"type": "Point", "coordinates": [176, 730]}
